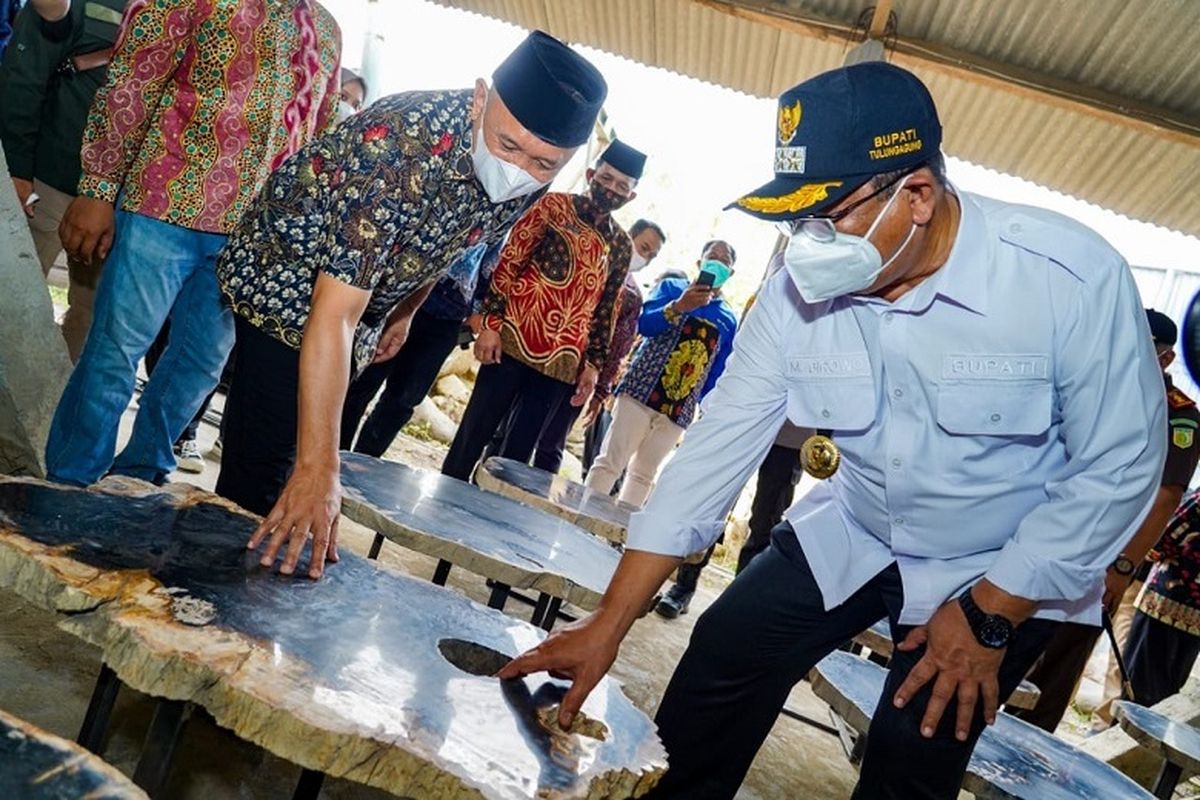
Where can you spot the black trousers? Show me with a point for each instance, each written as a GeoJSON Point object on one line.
{"type": "Point", "coordinates": [773, 493]}
{"type": "Point", "coordinates": [764, 634]}
{"type": "Point", "coordinates": [1057, 674]}
{"type": "Point", "coordinates": [593, 438]}
{"type": "Point", "coordinates": [261, 415]}
{"type": "Point", "coordinates": [408, 376]}
{"type": "Point", "coordinates": [553, 440]}
{"type": "Point", "coordinates": [509, 387]}
{"type": "Point", "coordinates": [1159, 658]}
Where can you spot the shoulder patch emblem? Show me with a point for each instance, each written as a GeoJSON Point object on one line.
{"type": "Point", "coordinates": [1182, 437]}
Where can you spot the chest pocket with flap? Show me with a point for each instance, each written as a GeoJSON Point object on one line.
{"type": "Point", "coordinates": [995, 408]}
{"type": "Point", "coordinates": [839, 404]}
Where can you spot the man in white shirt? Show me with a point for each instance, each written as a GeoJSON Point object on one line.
{"type": "Point", "coordinates": [987, 373]}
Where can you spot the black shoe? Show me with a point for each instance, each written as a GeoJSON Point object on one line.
{"type": "Point", "coordinates": [675, 603]}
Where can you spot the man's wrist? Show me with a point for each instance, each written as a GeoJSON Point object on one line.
{"type": "Point", "coordinates": [1123, 565]}
{"type": "Point", "coordinates": [991, 599]}
{"type": "Point", "coordinates": [671, 314]}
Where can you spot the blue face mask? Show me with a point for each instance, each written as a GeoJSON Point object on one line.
{"type": "Point", "coordinates": [717, 269]}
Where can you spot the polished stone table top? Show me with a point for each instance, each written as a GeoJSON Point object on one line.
{"type": "Point", "coordinates": [36, 765]}
{"type": "Point", "coordinates": [878, 638]}
{"type": "Point", "coordinates": [1174, 741]}
{"type": "Point", "coordinates": [365, 674]}
{"type": "Point", "coordinates": [594, 512]}
{"type": "Point", "coordinates": [480, 531]}
{"type": "Point", "coordinates": [1012, 759]}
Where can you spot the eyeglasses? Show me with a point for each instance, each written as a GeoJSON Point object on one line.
{"type": "Point", "coordinates": [821, 229]}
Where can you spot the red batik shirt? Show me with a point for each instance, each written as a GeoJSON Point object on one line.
{"type": "Point", "coordinates": [554, 291]}
{"type": "Point", "coordinates": [203, 99]}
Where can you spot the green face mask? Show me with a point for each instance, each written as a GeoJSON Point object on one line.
{"type": "Point", "coordinates": [717, 269]}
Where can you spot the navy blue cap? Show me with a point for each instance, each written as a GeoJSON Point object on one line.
{"type": "Point", "coordinates": [1162, 329]}
{"type": "Point", "coordinates": [554, 92]}
{"type": "Point", "coordinates": [624, 159]}
{"type": "Point", "coordinates": [837, 130]}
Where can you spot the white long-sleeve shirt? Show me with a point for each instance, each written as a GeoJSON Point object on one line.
{"type": "Point", "coordinates": [1004, 419]}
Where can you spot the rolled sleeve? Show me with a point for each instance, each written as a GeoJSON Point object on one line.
{"type": "Point", "coordinates": [686, 511]}
{"type": "Point", "coordinates": [1113, 425]}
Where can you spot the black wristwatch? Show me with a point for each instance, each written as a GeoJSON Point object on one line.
{"type": "Point", "coordinates": [1123, 566]}
{"type": "Point", "coordinates": [991, 630]}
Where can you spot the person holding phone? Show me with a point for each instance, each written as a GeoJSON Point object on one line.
{"type": "Point", "coordinates": [687, 331]}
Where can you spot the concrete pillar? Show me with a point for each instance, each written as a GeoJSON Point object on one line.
{"type": "Point", "coordinates": [33, 357]}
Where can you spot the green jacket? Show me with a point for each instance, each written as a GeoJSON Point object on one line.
{"type": "Point", "coordinates": [44, 112]}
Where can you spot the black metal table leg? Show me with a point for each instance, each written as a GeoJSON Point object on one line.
{"type": "Point", "coordinates": [166, 727]}
{"type": "Point", "coordinates": [551, 615]}
{"type": "Point", "coordinates": [95, 720]}
{"type": "Point", "coordinates": [376, 545]}
{"type": "Point", "coordinates": [309, 785]}
{"type": "Point", "coordinates": [442, 573]}
{"type": "Point", "coordinates": [499, 596]}
{"type": "Point", "coordinates": [539, 609]}
{"type": "Point", "coordinates": [1168, 779]}
{"type": "Point", "coordinates": [821, 726]}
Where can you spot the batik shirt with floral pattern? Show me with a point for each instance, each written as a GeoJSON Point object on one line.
{"type": "Point", "coordinates": [555, 289]}
{"type": "Point", "coordinates": [385, 203]}
{"type": "Point", "coordinates": [203, 99]}
{"type": "Point", "coordinates": [1172, 592]}
{"type": "Point", "coordinates": [624, 334]}
{"type": "Point", "coordinates": [676, 365]}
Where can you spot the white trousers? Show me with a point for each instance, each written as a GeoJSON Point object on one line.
{"type": "Point", "coordinates": [638, 441]}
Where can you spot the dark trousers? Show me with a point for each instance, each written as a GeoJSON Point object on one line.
{"type": "Point", "coordinates": [1159, 658]}
{"type": "Point", "coordinates": [593, 438]}
{"type": "Point", "coordinates": [773, 493]}
{"type": "Point", "coordinates": [509, 387]}
{"type": "Point", "coordinates": [408, 376]}
{"type": "Point", "coordinates": [761, 636]}
{"type": "Point", "coordinates": [260, 421]}
{"type": "Point", "coordinates": [553, 440]}
{"type": "Point", "coordinates": [157, 348]}
{"type": "Point", "coordinates": [687, 576]}
{"type": "Point", "coordinates": [1057, 674]}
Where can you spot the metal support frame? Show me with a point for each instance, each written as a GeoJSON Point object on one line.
{"type": "Point", "coordinates": [442, 573]}
{"type": "Point", "coordinates": [166, 728]}
{"type": "Point", "coordinates": [95, 719]}
{"type": "Point", "coordinates": [309, 785]}
{"type": "Point", "coordinates": [376, 546]}
{"type": "Point", "coordinates": [1167, 780]}
{"type": "Point", "coordinates": [821, 726]}
{"type": "Point", "coordinates": [499, 596]}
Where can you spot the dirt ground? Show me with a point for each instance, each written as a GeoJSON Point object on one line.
{"type": "Point", "coordinates": [46, 677]}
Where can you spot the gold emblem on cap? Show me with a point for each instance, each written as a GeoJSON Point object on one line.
{"type": "Point", "coordinates": [807, 195]}
{"type": "Point", "coordinates": [820, 457]}
{"type": "Point", "coordinates": [789, 121]}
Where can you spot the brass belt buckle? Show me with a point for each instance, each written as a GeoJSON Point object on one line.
{"type": "Point", "coordinates": [819, 456]}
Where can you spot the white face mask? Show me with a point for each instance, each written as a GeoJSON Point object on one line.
{"type": "Point", "coordinates": [501, 180]}
{"type": "Point", "coordinates": [344, 111]}
{"type": "Point", "coordinates": [637, 261]}
{"type": "Point", "coordinates": [848, 264]}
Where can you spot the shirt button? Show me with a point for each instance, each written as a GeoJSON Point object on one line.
{"type": "Point", "coordinates": [897, 392]}
{"type": "Point", "coordinates": [895, 463]}
{"type": "Point", "coordinates": [1015, 227]}
{"type": "Point", "coordinates": [825, 413]}
{"type": "Point", "coordinates": [995, 417]}
{"type": "Point", "coordinates": [887, 318]}
{"type": "Point", "coordinates": [898, 521]}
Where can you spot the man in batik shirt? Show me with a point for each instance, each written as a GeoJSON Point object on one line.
{"type": "Point", "coordinates": [688, 333]}
{"type": "Point", "coordinates": [647, 239]}
{"type": "Point", "coordinates": [202, 100]}
{"type": "Point", "coordinates": [547, 317]}
{"type": "Point", "coordinates": [345, 242]}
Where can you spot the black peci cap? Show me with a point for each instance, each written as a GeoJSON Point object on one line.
{"type": "Point", "coordinates": [835, 131]}
{"type": "Point", "coordinates": [1162, 329]}
{"type": "Point", "coordinates": [624, 159]}
{"type": "Point", "coordinates": [552, 90]}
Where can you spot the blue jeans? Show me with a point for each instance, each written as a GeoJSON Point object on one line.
{"type": "Point", "coordinates": [155, 270]}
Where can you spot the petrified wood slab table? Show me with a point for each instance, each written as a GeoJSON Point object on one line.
{"type": "Point", "coordinates": [594, 512]}
{"type": "Point", "coordinates": [36, 765]}
{"type": "Point", "coordinates": [512, 544]}
{"type": "Point", "coordinates": [365, 674]}
{"type": "Point", "coordinates": [1012, 759]}
{"type": "Point", "coordinates": [1177, 743]}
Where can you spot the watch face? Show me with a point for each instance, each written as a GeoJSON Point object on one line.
{"type": "Point", "coordinates": [995, 632]}
{"type": "Point", "coordinates": [1123, 566]}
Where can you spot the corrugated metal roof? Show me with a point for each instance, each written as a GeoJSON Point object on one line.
{"type": "Point", "coordinates": [1099, 99]}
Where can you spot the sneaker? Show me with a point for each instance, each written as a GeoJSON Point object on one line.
{"type": "Point", "coordinates": [675, 603]}
{"type": "Point", "coordinates": [187, 456]}
{"type": "Point", "coordinates": [215, 452]}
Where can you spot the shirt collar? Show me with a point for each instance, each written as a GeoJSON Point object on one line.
{"type": "Point", "coordinates": [964, 276]}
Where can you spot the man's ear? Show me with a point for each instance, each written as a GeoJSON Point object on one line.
{"type": "Point", "coordinates": [478, 99]}
{"type": "Point", "coordinates": [921, 190]}
{"type": "Point", "coordinates": [632, 197]}
{"type": "Point", "coordinates": [589, 174]}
